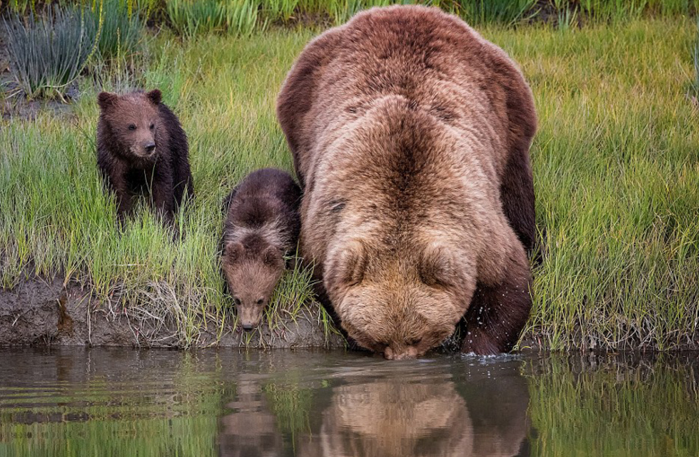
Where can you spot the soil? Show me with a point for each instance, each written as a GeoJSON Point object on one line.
{"type": "Point", "coordinates": [47, 313]}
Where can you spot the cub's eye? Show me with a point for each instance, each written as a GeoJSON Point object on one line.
{"type": "Point", "coordinates": [260, 301]}
{"type": "Point", "coordinates": [236, 300]}
{"type": "Point", "coordinates": [132, 126]}
{"type": "Point", "coordinates": [152, 126]}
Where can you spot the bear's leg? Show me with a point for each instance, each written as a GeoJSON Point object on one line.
{"type": "Point", "coordinates": [517, 196]}
{"type": "Point", "coordinates": [498, 312]}
{"type": "Point", "coordinates": [163, 199]}
{"type": "Point", "coordinates": [124, 197]}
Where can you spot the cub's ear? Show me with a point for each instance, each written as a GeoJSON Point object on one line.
{"type": "Point", "coordinates": [155, 96]}
{"type": "Point", "coordinates": [437, 267]}
{"type": "Point", "coordinates": [272, 257]}
{"type": "Point", "coordinates": [233, 252]}
{"type": "Point", "coordinates": [349, 264]}
{"type": "Point", "coordinates": [106, 100]}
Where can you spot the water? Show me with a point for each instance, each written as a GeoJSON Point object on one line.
{"type": "Point", "coordinates": [101, 402]}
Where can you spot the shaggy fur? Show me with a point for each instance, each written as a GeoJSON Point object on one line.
{"type": "Point", "coordinates": [262, 226]}
{"type": "Point", "coordinates": [142, 149]}
{"type": "Point", "coordinates": [410, 134]}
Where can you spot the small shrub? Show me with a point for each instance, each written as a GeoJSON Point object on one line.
{"type": "Point", "coordinates": [122, 28]}
{"type": "Point", "coordinates": [49, 53]}
{"type": "Point", "coordinates": [192, 17]}
{"type": "Point", "coordinates": [241, 17]}
{"type": "Point", "coordinates": [501, 11]}
{"type": "Point", "coordinates": [279, 10]}
{"type": "Point", "coordinates": [696, 62]}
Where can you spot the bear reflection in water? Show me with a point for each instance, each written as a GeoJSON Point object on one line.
{"type": "Point", "coordinates": [400, 415]}
{"type": "Point", "coordinates": [413, 419]}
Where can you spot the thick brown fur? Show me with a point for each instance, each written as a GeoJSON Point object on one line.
{"type": "Point", "coordinates": [262, 226]}
{"type": "Point", "coordinates": [410, 134]}
{"type": "Point", "coordinates": [142, 150]}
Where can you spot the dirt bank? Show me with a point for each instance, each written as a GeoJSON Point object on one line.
{"type": "Point", "coordinates": [43, 313]}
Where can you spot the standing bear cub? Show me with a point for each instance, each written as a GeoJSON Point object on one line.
{"type": "Point", "coordinates": [410, 134]}
{"type": "Point", "coordinates": [262, 226]}
{"type": "Point", "coordinates": [142, 150]}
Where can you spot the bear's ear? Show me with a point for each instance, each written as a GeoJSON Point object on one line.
{"type": "Point", "coordinates": [437, 267]}
{"type": "Point", "coordinates": [233, 252]}
{"type": "Point", "coordinates": [155, 96]}
{"type": "Point", "coordinates": [272, 257]}
{"type": "Point", "coordinates": [349, 266]}
{"type": "Point", "coordinates": [106, 100]}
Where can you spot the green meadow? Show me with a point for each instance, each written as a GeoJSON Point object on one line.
{"type": "Point", "coordinates": [616, 171]}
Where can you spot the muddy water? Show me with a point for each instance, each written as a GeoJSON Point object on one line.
{"type": "Point", "coordinates": [99, 402]}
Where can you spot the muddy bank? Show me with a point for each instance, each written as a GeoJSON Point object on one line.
{"type": "Point", "coordinates": [45, 313]}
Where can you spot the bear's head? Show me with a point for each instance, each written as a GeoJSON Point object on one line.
{"type": "Point", "coordinates": [252, 269]}
{"type": "Point", "coordinates": [135, 123]}
{"type": "Point", "coordinates": [399, 302]}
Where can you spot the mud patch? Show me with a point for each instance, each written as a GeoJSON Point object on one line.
{"type": "Point", "coordinates": [45, 313]}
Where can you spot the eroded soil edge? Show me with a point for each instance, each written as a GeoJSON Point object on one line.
{"type": "Point", "coordinates": [43, 313]}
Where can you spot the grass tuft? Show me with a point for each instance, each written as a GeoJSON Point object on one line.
{"type": "Point", "coordinates": [49, 52]}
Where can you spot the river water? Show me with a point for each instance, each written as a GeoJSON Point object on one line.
{"type": "Point", "coordinates": [121, 402]}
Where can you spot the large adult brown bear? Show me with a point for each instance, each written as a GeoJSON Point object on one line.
{"type": "Point", "coordinates": [410, 135]}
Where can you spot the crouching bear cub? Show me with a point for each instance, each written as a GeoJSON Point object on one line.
{"type": "Point", "coordinates": [262, 226]}
{"type": "Point", "coordinates": [410, 134]}
{"type": "Point", "coordinates": [142, 149]}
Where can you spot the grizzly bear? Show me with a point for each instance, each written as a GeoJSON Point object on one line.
{"type": "Point", "coordinates": [142, 149]}
{"type": "Point", "coordinates": [410, 134]}
{"type": "Point", "coordinates": [262, 227]}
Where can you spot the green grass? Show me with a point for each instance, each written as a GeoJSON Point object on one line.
{"type": "Point", "coordinates": [615, 168]}
{"type": "Point", "coordinates": [49, 52]}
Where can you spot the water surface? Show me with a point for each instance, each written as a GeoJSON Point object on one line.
{"type": "Point", "coordinates": [75, 402]}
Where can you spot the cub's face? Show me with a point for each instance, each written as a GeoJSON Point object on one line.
{"type": "Point", "coordinates": [400, 306]}
{"type": "Point", "coordinates": [251, 279]}
{"type": "Point", "coordinates": [135, 122]}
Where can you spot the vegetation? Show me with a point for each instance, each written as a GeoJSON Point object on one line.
{"type": "Point", "coordinates": [50, 51]}
{"type": "Point", "coordinates": [616, 182]}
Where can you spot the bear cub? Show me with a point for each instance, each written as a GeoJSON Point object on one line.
{"type": "Point", "coordinates": [142, 150]}
{"type": "Point", "coordinates": [262, 226]}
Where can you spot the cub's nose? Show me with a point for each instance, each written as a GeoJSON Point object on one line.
{"type": "Point", "coordinates": [150, 147]}
{"type": "Point", "coordinates": [247, 327]}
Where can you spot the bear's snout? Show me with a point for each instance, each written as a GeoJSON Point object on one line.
{"type": "Point", "coordinates": [250, 317]}
{"type": "Point", "coordinates": [149, 147]}
{"type": "Point", "coordinates": [407, 352]}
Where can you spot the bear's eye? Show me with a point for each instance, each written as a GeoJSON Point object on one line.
{"type": "Point", "coordinates": [152, 126]}
{"type": "Point", "coordinates": [236, 300]}
{"type": "Point", "coordinates": [260, 301]}
{"type": "Point", "coordinates": [132, 126]}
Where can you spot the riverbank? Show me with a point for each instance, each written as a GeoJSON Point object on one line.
{"type": "Point", "coordinates": [47, 313]}
{"type": "Point", "coordinates": [615, 167]}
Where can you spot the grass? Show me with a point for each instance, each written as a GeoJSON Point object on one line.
{"type": "Point", "coordinates": [49, 52]}
{"type": "Point", "coordinates": [615, 169]}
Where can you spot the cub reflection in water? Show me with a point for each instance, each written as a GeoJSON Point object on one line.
{"type": "Point", "coordinates": [250, 430]}
{"type": "Point", "coordinates": [423, 417]}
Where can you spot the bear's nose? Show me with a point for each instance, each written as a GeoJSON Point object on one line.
{"type": "Point", "coordinates": [393, 353]}
{"type": "Point", "coordinates": [247, 327]}
{"type": "Point", "coordinates": [150, 147]}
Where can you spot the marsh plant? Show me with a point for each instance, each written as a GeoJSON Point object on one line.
{"type": "Point", "coordinates": [190, 18]}
{"type": "Point", "coordinates": [121, 27]}
{"type": "Point", "coordinates": [49, 52]}
{"type": "Point", "coordinates": [500, 11]}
